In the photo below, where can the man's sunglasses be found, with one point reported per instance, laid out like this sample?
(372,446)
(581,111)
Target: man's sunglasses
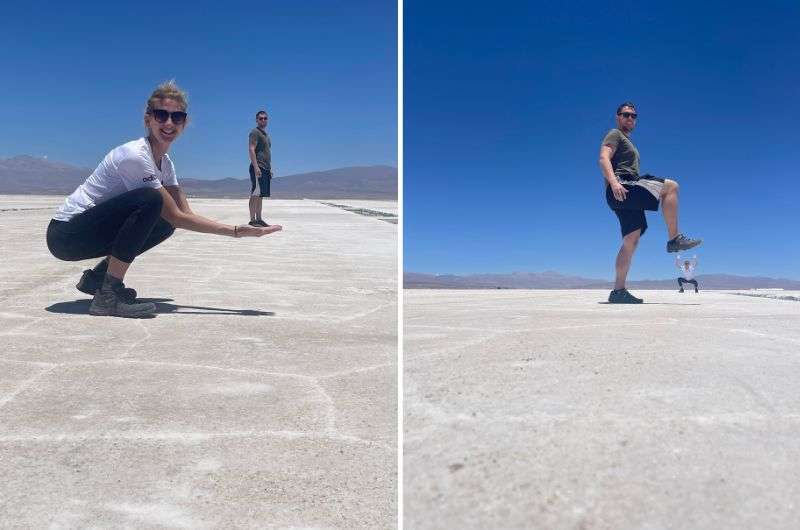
(161,116)
(629,115)
(262,117)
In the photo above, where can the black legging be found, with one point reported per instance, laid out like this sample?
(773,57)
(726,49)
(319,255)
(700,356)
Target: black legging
(123,227)
(683,280)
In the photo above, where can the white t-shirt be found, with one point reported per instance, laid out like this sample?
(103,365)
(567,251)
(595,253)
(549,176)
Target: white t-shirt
(686,273)
(125,168)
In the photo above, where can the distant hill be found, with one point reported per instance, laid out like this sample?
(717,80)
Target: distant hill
(555,280)
(360,182)
(25,174)
(30,175)
(514,280)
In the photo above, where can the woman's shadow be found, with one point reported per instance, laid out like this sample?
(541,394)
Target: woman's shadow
(81,307)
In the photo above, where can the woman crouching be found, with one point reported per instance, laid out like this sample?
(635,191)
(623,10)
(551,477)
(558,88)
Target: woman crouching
(128,205)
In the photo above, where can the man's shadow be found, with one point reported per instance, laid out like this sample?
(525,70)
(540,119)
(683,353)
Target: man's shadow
(81,307)
(653,303)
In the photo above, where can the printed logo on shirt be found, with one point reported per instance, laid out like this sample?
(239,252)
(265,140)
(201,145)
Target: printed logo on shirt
(150,178)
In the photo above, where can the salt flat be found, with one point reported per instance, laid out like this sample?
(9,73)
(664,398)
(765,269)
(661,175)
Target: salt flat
(554,410)
(262,395)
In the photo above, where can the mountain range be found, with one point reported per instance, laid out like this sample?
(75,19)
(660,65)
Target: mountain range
(555,280)
(30,175)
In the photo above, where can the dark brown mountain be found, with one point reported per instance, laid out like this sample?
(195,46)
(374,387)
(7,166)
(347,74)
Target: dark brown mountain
(360,182)
(25,174)
(29,175)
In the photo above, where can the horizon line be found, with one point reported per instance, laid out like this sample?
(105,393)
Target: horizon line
(669,278)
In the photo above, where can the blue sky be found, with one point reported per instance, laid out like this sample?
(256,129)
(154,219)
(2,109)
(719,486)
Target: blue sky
(506,104)
(75,77)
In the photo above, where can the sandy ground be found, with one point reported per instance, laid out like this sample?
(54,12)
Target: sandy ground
(554,410)
(262,395)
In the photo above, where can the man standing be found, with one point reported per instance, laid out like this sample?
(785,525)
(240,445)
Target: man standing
(260,146)
(628,194)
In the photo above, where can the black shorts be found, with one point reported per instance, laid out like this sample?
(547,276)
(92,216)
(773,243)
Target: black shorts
(259,187)
(630,212)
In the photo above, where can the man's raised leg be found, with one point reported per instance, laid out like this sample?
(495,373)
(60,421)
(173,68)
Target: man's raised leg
(669,207)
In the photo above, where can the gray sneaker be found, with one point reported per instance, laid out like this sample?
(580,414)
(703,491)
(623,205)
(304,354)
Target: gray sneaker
(681,242)
(622,296)
(108,301)
(91,281)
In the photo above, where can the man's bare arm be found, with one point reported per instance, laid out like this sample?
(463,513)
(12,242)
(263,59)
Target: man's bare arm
(253,160)
(606,153)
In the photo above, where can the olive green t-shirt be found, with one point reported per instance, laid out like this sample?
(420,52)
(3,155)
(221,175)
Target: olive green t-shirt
(626,157)
(263,147)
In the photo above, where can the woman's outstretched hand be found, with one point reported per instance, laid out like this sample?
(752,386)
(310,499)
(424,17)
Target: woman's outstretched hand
(256,231)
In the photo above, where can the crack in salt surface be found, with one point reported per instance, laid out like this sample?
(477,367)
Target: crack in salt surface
(321,401)
(15,330)
(330,408)
(147,336)
(32,363)
(457,347)
(330,413)
(722,418)
(161,514)
(316,317)
(497,333)
(536,419)
(742,331)
(521,329)
(189,437)
(757,334)
(24,386)
(199,366)
(759,396)
(365,313)
(355,371)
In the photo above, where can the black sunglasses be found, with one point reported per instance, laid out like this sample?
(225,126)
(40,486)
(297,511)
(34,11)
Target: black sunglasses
(161,116)
(262,117)
(629,115)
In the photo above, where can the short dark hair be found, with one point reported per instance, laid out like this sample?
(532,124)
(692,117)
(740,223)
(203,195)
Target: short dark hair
(626,104)
(260,112)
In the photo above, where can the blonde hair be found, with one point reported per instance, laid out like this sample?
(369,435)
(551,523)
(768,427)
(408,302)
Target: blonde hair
(168,90)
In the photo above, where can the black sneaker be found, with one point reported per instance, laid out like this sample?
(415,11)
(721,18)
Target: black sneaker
(681,242)
(681,290)
(91,281)
(622,296)
(254,223)
(108,301)
(261,222)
